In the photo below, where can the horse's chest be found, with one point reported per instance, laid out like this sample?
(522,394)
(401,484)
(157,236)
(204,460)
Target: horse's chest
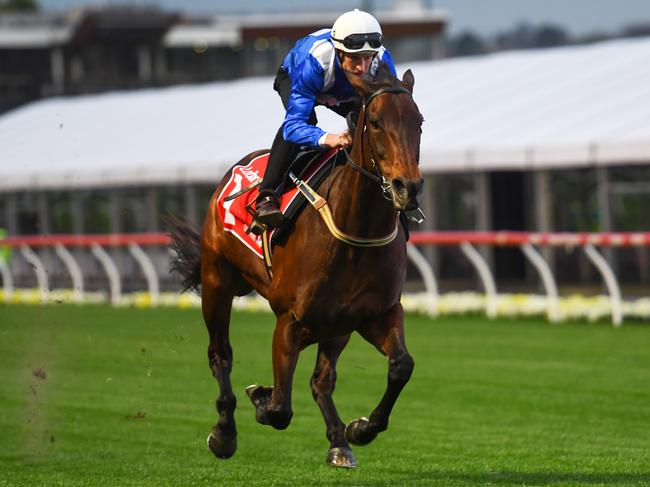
(349,295)
(334,290)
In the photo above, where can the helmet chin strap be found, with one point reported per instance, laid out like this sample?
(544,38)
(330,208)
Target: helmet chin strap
(339,54)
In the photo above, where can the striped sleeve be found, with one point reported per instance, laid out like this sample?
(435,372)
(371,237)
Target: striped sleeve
(307,82)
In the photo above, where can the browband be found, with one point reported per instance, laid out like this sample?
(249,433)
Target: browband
(381,91)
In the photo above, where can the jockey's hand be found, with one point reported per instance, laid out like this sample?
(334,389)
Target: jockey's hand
(338,140)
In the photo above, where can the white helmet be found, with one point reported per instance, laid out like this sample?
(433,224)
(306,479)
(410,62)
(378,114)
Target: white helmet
(357,31)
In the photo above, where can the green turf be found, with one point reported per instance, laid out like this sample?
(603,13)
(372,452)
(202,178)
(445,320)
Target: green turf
(99,396)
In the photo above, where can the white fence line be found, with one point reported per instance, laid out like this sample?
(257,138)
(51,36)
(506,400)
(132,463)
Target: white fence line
(485,275)
(428,277)
(148,269)
(36,263)
(74,270)
(111,271)
(431,302)
(536,259)
(610,281)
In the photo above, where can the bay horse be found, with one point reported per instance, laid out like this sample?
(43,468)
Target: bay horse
(322,289)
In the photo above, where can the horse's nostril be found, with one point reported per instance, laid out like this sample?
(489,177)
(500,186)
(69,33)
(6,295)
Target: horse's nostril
(399,185)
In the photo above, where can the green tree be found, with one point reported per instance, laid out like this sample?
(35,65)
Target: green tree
(18,5)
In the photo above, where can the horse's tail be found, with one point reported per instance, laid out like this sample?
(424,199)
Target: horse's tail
(187,260)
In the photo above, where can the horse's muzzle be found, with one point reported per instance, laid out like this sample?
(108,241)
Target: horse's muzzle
(406,193)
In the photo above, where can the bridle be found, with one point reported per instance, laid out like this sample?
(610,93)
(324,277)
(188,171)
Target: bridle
(377,177)
(320,204)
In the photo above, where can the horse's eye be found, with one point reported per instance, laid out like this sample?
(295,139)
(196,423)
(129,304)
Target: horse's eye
(373,123)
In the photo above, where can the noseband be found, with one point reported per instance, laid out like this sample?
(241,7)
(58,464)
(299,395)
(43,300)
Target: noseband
(377,177)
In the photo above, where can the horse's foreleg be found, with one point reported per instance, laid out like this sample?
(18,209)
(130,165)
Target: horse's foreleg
(387,335)
(216,300)
(273,405)
(322,384)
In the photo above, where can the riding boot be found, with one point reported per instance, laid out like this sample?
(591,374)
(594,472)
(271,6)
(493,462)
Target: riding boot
(267,206)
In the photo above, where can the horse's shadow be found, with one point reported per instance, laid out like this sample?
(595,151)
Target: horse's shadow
(438,477)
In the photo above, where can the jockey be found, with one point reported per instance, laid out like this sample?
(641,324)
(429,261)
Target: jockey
(314,73)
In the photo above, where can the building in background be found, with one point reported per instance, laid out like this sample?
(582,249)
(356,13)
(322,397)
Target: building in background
(542,140)
(103,49)
(539,140)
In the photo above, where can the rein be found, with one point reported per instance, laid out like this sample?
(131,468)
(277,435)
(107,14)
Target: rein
(320,204)
(377,177)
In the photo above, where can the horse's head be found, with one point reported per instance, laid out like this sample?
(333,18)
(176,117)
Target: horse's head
(388,134)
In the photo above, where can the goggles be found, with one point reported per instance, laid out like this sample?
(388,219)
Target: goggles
(357,41)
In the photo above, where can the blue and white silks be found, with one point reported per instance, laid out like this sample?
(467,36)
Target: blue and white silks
(317,78)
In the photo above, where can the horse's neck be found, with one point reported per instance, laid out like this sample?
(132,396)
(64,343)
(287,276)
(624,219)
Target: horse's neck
(357,202)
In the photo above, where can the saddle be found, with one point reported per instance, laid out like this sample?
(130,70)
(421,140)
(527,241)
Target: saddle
(236,200)
(300,166)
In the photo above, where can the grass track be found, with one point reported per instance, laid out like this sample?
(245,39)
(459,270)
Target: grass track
(100,396)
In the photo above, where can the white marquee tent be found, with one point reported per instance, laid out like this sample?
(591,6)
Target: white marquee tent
(572,106)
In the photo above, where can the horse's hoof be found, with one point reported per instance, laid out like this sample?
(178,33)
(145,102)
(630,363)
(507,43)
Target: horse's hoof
(259,396)
(258,393)
(222,446)
(341,457)
(251,389)
(358,432)
(279,419)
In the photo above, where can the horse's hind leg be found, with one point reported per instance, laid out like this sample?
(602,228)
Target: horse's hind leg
(322,384)
(216,297)
(387,335)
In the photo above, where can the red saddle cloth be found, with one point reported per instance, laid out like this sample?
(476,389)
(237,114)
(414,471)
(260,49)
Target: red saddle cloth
(235,217)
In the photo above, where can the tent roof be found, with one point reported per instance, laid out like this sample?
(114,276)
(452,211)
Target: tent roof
(570,106)
(564,107)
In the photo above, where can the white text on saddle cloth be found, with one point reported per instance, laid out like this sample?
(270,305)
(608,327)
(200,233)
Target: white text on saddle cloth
(229,218)
(251,174)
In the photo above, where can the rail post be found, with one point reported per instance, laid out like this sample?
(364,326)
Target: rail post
(111,271)
(148,270)
(36,263)
(485,275)
(74,270)
(548,280)
(610,281)
(430,284)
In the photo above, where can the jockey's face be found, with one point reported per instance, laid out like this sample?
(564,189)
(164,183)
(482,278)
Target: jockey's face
(358,64)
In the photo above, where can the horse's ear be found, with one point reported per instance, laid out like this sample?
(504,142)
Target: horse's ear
(408,80)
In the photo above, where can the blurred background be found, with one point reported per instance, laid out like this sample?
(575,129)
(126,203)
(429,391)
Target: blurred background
(537,119)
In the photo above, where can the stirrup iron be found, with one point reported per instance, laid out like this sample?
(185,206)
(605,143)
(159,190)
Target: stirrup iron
(256,227)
